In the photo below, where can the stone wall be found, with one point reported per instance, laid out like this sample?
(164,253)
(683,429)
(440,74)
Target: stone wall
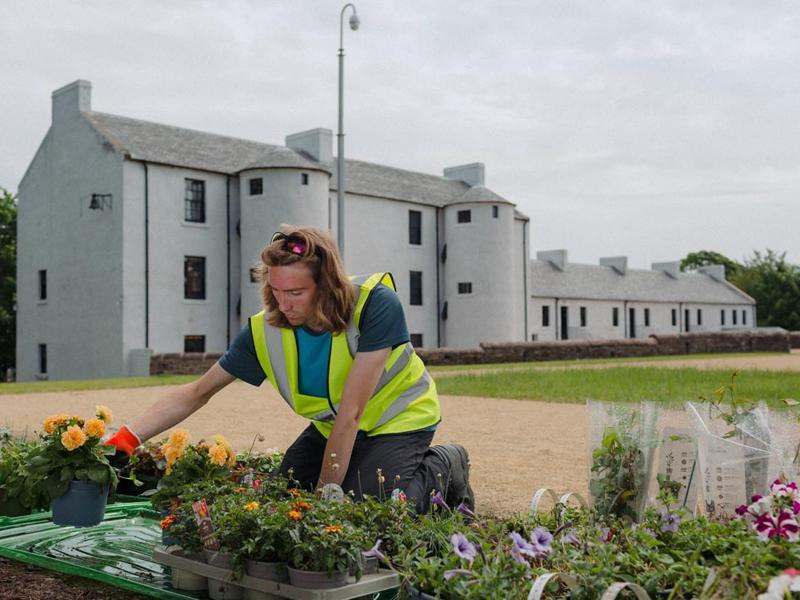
(763,340)
(754,340)
(794,339)
(191,363)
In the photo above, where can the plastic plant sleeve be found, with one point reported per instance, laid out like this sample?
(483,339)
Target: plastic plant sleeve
(737,460)
(675,458)
(622,440)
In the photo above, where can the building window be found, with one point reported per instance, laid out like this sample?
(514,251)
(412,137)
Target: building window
(416,340)
(254,275)
(744,317)
(256,186)
(545,316)
(647,317)
(304,178)
(415,227)
(43,359)
(464,287)
(733,314)
(615,316)
(722,317)
(415,287)
(195,201)
(465,216)
(583,316)
(194,343)
(495,211)
(194,277)
(43,284)
(699,317)
(674,317)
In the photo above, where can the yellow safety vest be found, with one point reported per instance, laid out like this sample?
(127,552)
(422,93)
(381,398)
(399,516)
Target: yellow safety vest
(405,397)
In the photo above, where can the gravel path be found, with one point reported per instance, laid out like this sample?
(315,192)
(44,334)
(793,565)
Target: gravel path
(516,446)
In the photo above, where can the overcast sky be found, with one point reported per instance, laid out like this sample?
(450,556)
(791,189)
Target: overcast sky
(646,129)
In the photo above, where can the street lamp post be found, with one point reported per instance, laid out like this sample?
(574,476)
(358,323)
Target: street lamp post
(354,23)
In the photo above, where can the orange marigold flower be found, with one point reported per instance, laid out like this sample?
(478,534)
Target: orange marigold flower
(95,428)
(251,505)
(167,521)
(73,438)
(301,505)
(333,529)
(294,492)
(103,413)
(293,514)
(217,455)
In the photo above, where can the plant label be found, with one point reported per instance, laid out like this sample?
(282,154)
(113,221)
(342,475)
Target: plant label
(204,525)
(678,462)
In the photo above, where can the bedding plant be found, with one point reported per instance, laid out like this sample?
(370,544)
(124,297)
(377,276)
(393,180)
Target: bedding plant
(19,492)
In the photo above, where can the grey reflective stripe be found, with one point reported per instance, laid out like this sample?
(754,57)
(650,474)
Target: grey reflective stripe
(352,334)
(325,415)
(400,364)
(405,399)
(274,340)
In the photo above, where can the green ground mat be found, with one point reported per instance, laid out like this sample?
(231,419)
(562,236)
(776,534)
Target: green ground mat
(117,552)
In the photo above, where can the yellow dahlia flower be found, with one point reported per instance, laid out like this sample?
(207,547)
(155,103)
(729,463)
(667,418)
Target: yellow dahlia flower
(179,439)
(95,428)
(73,438)
(220,439)
(217,454)
(103,413)
(52,422)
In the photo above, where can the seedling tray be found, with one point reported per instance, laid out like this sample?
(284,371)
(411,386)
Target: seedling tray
(369,585)
(117,552)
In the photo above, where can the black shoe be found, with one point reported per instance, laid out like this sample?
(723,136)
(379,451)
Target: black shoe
(458,487)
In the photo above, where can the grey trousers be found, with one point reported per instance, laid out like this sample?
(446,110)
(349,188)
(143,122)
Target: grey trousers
(404,459)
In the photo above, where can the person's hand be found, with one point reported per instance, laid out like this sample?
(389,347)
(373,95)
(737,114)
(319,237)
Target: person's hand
(125,441)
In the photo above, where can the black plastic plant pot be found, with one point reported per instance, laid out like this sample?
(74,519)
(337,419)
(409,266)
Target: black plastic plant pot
(83,504)
(12,507)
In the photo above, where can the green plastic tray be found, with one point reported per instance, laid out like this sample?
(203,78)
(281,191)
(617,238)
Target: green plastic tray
(117,552)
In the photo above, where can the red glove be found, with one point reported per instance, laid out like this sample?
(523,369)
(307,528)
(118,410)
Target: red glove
(124,440)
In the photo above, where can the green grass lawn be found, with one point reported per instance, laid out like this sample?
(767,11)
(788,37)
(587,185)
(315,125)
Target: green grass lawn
(622,384)
(93,384)
(597,361)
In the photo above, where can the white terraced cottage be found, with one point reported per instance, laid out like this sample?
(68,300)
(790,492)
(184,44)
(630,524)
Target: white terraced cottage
(136,237)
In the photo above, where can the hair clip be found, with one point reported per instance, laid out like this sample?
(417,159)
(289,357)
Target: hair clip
(296,247)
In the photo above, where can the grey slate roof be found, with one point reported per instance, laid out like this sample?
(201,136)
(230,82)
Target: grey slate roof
(593,282)
(143,140)
(154,142)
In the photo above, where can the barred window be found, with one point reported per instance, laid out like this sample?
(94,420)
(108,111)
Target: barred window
(194,277)
(674,317)
(722,317)
(545,316)
(464,287)
(583,316)
(744,317)
(415,288)
(43,359)
(615,316)
(256,186)
(416,340)
(195,201)
(647,317)
(464,216)
(414,227)
(43,284)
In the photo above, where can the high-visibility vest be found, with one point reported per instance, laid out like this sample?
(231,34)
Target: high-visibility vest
(404,399)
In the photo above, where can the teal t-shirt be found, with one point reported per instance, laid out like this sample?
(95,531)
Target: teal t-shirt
(383,325)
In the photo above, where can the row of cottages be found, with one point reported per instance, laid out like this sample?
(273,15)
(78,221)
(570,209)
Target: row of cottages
(137,237)
(610,301)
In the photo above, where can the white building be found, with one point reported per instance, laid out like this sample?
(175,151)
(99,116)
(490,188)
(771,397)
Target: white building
(609,300)
(136,237)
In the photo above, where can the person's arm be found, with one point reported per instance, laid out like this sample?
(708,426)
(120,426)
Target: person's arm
(172,409)
(361,381)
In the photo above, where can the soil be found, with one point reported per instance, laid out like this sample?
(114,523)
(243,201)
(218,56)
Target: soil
(515,446)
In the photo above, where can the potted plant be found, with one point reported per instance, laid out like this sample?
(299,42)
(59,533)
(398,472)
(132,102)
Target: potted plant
(143,471)
(324,547)
(19,494)
(73,463)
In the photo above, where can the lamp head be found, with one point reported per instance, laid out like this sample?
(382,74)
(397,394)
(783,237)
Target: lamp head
(354,21)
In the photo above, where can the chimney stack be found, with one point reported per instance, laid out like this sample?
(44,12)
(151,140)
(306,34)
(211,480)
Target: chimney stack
(557,258)
(314,143)
(618,263)
(71,100)
(670,268)
(471,174)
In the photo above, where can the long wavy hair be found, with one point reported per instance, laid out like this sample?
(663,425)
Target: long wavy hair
(314,248)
